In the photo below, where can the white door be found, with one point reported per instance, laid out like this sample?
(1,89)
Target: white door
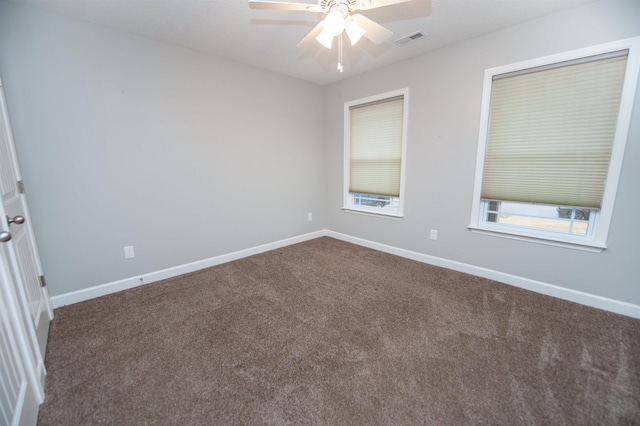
(21,250)
(20,392)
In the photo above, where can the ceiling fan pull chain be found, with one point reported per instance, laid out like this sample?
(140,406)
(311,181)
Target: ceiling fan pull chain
(340,68)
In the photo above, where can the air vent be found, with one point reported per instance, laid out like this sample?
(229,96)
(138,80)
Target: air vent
(411,37)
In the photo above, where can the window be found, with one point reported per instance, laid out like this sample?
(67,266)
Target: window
(552,138)
(375,139)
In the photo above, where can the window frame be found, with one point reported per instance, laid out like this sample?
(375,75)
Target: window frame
(348,204)
(597,241)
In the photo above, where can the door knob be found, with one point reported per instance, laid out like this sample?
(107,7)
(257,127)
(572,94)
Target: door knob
(5,236)
(18,220)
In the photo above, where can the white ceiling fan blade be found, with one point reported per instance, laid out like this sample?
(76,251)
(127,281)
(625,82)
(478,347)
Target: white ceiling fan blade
(312,35)
(372,4)
(284,5)
(374,31)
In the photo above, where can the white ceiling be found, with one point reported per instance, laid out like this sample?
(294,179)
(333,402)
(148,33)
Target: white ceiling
(267,38)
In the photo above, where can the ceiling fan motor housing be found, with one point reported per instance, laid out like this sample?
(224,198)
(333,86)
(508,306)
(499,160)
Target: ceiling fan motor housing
(347,5)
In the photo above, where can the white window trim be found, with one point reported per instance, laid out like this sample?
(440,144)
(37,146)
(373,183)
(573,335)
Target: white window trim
(599,240)
(347,205)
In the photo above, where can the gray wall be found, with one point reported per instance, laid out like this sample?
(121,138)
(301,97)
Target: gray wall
(444,113)
(126,141)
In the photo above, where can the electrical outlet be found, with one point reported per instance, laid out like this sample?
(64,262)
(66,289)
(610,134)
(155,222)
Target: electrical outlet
(434,234)
(128,252)
(309,217)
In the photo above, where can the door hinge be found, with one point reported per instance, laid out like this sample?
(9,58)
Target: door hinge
(20,185)
(43,283)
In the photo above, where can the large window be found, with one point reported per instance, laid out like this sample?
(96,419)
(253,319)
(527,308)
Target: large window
(551,144)
(375,134)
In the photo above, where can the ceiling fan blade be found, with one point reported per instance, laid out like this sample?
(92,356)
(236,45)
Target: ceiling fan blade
(375,32)
(373,4)
(284,5)
(312,35)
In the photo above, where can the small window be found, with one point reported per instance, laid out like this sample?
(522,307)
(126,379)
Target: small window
(550,150)
(375,134)
(568,221)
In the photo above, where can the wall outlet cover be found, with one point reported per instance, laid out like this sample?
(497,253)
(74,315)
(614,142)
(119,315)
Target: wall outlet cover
(128,252)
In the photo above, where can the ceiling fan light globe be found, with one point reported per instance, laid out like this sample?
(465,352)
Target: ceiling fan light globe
(325,38)
(334,22)
(354,31)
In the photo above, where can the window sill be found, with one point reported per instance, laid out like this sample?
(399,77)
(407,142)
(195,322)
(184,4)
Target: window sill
(589,246)
(373,213)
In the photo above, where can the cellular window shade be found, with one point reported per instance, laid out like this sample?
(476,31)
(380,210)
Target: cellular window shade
(551,133)
(375,148)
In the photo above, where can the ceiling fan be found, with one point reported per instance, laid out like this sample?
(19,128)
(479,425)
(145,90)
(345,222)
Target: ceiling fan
(340,18)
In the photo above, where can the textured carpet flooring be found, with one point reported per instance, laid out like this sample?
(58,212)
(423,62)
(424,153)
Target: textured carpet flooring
(326,332)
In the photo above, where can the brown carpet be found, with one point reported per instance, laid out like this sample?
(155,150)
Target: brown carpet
(326,332)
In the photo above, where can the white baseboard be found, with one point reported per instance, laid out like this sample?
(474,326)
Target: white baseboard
(138,280)
(583,298)
(580,297)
